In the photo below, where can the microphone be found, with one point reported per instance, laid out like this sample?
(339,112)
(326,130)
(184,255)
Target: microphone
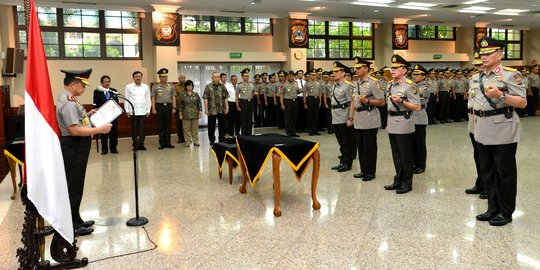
(100,88)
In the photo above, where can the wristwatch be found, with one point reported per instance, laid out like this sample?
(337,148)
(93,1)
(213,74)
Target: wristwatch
(502,97)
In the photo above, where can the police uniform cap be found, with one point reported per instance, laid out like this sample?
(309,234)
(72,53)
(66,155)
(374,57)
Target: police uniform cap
(299,71)
(339,66)
(489,45)
(432,71)
(446,70)
(264,74)
(361,62)
(325,73)
(281,73)
(81,75)
(459,71)
(477,58)
(314,72)
(163,72)
(419,69)
(273,75)
(319,71)
(245,71)
(399,61)
(257,76)
(291,72)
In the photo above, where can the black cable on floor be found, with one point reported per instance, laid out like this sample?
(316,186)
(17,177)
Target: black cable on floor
(131,253)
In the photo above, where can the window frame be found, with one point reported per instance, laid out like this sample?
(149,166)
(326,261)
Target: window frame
(327,37)
(514,42)
(437,38)
(213,27)
(101,30)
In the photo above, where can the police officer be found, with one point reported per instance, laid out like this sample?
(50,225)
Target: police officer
(532,97)
(301,118)
(312,102)
(383,80)
(327,93)
(460,84)
(433,85)
(245,91)
(280,113)
(164,106)
(497,129)
(445,90)
(479,186)
(257,101)
(420,119)
(270,101)
(402,101)
(289,94)
(367,96)
(262,121)
(74,124)
(341,119)
(215,97)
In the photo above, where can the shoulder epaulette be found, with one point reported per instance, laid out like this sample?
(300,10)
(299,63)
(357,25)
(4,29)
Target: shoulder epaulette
(373,78)
(71,98)
(510,69)
(409,81)
(347,82)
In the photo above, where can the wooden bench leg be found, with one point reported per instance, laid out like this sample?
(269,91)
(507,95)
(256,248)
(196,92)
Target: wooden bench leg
(230,165)
(276,162)
(244,173)
(316,157)
(13,172)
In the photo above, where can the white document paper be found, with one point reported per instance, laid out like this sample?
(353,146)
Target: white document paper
(106,113)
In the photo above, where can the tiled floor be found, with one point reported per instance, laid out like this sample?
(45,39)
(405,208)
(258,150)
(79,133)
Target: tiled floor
(201,222)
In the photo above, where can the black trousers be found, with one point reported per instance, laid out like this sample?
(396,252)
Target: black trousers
(532,101)
(220,118)
(479,182)
(290,114)
(383,111)
(138,134)
(164,115)
(457,107)
(246,116)
(258,113)
(280,114)
(431,107)
(444,106)
(366,141)
(75,151)
(345,138)
(328,111)
(270,113)
(499,171)
(110,140)
(402,154)
(312,114)
(301,117)
(233,120)
(179,127)
(420,151)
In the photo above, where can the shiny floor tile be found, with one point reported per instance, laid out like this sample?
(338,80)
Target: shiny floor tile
(200,221)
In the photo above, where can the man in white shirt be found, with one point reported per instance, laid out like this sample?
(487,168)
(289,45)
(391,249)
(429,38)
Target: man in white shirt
(139,94)
(302,116)
(233,117)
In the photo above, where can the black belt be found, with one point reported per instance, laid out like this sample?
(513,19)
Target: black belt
(292,99)
(245,99)
(364,108)
(313,97)
(423,106)
(507,111)
(165,104)
(406,114)
(340,106)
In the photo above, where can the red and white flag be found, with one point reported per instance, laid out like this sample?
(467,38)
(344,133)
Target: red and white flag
(45,174)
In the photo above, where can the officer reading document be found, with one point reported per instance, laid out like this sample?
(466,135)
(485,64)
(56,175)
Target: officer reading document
(74,124)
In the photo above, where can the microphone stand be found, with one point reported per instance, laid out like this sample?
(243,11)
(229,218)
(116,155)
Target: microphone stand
(137,220)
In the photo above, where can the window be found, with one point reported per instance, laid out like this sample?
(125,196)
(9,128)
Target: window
(258,25)
(513,40)
(432,32)
(85,33)
(228,25)
(340,40)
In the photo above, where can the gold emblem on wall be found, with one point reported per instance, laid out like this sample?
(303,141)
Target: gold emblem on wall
(166,29)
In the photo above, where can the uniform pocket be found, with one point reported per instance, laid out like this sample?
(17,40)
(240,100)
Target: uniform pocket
(501,119)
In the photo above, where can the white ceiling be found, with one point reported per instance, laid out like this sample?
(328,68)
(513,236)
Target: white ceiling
(348,9)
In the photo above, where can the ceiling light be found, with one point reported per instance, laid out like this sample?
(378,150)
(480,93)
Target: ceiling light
(472,11)
(506,13)
(413,7)
(478,8)
(474,2)
(418,4)
(375,10)
(370,4)
(376,1)
(511,10)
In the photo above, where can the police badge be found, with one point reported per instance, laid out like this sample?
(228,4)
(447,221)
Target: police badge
(166,29)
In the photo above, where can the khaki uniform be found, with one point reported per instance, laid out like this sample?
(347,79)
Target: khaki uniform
(313,94)
(445,85)
(246,93)
(164,95)
(290,93)
(402,124)
(271,109)
(341,98)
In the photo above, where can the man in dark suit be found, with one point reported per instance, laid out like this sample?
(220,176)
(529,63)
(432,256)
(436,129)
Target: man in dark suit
(103,94)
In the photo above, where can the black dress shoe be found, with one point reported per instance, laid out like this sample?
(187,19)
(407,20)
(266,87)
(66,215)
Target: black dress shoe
(337,167)
(403,190)
(311,134)
(393,186)
(82,231)
(344,168)
(295,135)
(474,190)
(483,195)
(368,177)
(418,171)
(487,216)
(114,151)
(142,147)
(359,175)
(500,220)
(104,153)
(88,223)
(169,146)
(316,133)
(161,147)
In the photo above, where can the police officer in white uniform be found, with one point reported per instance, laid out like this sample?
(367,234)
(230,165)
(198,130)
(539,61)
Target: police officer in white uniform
(495,92)
(341,98)
(420,119)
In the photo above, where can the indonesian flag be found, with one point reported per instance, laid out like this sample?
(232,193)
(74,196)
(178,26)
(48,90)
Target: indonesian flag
(45,174)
